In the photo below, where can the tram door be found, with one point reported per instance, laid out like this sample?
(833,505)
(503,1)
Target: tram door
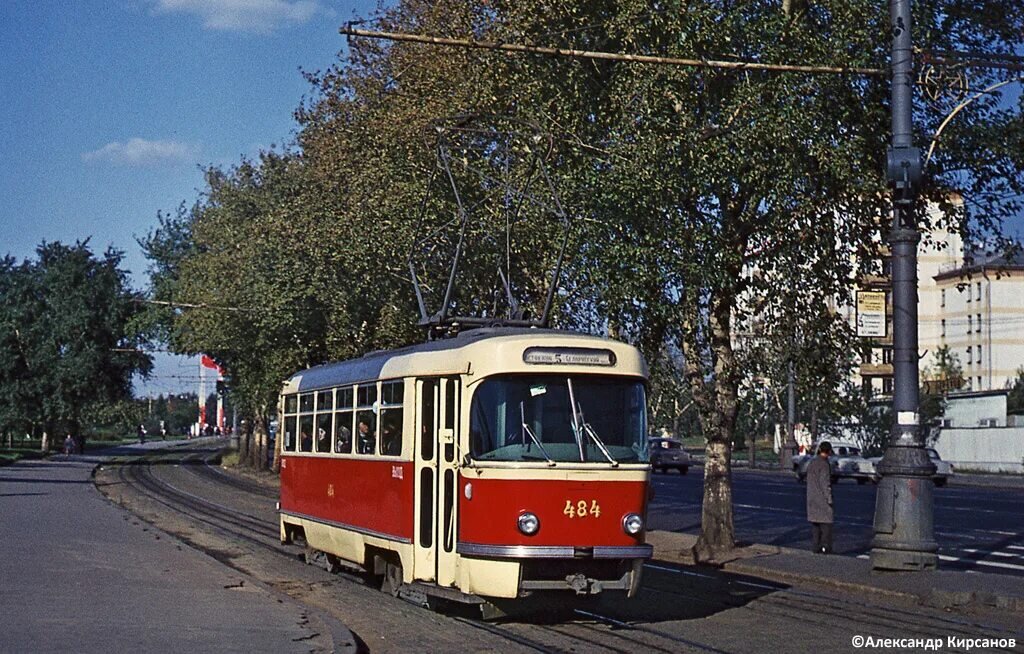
(437,401)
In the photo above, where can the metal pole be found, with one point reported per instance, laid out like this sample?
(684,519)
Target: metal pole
(789,447)
(904,533)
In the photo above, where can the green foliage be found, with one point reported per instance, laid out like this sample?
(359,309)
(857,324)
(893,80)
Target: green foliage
(716,215)
(1015,399)
(68,343)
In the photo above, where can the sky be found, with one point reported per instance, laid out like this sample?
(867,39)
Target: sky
(109,109)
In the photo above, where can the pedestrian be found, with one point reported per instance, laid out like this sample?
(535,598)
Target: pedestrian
(819,499)
(69,445)
(142,434)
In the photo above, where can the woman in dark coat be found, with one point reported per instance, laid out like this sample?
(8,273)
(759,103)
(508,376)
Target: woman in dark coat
(819,499)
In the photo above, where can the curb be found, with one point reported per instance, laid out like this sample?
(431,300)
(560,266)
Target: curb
(672,548)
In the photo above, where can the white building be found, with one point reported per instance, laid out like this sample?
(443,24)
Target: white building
(981,320)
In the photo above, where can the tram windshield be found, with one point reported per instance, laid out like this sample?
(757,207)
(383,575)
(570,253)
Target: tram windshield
(532,418)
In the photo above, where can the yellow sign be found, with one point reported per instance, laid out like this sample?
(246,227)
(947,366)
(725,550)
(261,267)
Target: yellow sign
(871,319)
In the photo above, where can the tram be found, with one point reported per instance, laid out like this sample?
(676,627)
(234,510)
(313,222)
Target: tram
(499,463)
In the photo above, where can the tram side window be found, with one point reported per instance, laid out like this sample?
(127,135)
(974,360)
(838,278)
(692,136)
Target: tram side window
(391,418)
(343,422)
(324,420)
(291,407)
(306,422)
(366,432)
(289,433)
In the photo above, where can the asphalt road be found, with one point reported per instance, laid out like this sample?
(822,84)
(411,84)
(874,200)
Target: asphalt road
(78,574)
(679,609)
(978,528)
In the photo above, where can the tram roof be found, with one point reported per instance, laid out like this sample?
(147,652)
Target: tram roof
(373,364)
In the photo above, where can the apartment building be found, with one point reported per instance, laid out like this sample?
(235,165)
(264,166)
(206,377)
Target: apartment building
(981,319)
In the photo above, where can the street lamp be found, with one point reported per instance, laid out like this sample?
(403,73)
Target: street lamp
(904,532)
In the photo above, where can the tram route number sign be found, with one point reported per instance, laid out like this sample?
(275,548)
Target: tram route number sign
(582,509)
(871,319)
(573,356)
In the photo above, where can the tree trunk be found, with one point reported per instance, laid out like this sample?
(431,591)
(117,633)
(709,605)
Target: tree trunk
(259,444)
(717,532)
(718,408)
(244,438)
(276,466)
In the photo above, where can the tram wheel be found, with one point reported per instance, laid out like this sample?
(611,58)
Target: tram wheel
(331,564)
(392,581)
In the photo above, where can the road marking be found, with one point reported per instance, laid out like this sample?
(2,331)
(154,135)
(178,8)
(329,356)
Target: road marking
(991,564)
(988,553)
(677,571)
(1015,547)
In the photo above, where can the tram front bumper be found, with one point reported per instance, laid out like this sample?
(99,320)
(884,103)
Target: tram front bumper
(582,584)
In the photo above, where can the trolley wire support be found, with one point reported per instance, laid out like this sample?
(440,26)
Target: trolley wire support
(479,163)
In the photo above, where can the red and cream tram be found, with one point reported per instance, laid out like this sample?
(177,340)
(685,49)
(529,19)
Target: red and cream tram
(493,464)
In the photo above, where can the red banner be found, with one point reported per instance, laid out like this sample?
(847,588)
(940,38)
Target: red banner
(207,362)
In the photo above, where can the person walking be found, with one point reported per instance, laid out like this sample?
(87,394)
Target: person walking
(819,499)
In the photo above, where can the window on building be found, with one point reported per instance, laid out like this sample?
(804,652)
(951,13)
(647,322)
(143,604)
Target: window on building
(979,292)
(970,354)
(943,328)
(978,357)
(979,388)
(887,385)
(970,324)
(977,326)
(943,299)
(968,289)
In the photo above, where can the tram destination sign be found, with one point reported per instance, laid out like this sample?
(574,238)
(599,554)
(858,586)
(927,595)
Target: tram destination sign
(572,356)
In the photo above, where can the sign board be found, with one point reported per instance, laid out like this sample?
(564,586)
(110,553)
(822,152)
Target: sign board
(571,356)
(871,322)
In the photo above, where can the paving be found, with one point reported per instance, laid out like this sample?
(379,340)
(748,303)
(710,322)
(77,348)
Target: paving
(79,574)
(945,589)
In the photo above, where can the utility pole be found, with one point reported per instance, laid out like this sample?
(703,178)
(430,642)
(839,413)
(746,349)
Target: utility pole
(904,532)
(789,447)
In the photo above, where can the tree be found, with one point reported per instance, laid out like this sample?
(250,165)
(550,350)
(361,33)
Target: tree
(1015,399)
(74,344)
(706,204)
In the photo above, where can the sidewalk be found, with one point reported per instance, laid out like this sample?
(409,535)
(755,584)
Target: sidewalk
(79,574)
(946,589)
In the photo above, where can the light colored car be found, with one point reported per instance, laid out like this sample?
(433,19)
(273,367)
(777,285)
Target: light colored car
(943,469)
(668,453)
(846,463)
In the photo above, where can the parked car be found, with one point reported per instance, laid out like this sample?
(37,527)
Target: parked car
(667,453)
(846,463)
(943,469)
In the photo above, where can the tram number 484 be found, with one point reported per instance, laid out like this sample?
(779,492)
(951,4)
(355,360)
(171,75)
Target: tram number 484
(581,509)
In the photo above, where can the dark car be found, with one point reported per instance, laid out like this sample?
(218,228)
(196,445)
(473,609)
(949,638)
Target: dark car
(667,453)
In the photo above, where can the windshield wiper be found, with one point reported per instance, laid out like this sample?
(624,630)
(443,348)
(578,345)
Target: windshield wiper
(576,430)
(589,431)
(580,426)
(533,437)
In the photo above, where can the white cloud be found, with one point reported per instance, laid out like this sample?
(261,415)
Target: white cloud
(140,152)
(244,15)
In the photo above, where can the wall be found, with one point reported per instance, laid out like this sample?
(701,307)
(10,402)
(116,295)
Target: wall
(969,411)
(992,449)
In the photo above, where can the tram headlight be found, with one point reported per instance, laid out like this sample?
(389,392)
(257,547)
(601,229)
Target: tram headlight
(632,523)
(528,524)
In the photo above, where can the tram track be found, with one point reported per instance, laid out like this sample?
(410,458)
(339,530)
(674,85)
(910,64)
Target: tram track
(589,630)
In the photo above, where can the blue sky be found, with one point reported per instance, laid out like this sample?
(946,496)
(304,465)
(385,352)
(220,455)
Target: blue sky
(110,108)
